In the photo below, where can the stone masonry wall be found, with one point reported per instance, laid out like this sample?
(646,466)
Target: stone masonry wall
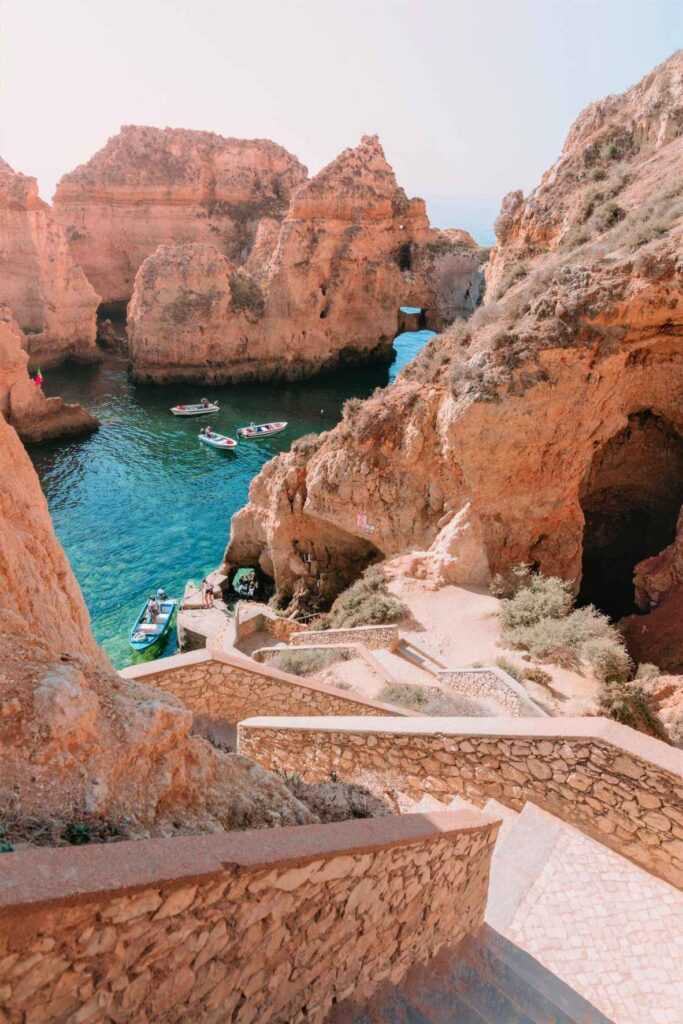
(620,787)
(225,687)
(240,928)
(373,637)
(492,684)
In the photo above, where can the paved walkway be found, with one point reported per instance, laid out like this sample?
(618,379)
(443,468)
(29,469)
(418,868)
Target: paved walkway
(608,929)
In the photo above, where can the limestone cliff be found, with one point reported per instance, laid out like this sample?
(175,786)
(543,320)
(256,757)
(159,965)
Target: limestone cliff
(24,406)
(150,186)
(77,739)
(550,425)
(45,289)
(609,146)
(320,289)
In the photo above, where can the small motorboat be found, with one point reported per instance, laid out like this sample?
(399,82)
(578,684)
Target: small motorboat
(200,409)
(255,430)
(217,440)
(151,627)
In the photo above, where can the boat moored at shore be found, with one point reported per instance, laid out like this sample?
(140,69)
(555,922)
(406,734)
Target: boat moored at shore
(153,623)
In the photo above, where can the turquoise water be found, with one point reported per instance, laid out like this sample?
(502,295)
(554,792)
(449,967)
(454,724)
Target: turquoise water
(142,504)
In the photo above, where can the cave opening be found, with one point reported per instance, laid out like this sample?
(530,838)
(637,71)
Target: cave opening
(404,257)
(630,498)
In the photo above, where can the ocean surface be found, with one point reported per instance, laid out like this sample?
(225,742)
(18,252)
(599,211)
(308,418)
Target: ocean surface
(142,504)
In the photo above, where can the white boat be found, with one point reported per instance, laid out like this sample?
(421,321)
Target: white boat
(255,430)
(195,410)
(217,440)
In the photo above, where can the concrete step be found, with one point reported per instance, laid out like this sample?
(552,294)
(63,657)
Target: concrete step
(489,965)
(397,669)
(524,845)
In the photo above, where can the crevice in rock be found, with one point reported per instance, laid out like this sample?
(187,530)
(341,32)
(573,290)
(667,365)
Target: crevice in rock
(630,499)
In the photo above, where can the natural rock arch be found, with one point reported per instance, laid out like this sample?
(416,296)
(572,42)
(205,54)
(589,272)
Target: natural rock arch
(630,499)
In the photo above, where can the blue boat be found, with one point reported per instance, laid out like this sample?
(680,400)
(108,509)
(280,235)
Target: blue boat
(150,629)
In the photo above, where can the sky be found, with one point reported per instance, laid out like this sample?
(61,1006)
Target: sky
(471,98)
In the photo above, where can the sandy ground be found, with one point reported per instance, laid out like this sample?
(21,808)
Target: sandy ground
(460,627)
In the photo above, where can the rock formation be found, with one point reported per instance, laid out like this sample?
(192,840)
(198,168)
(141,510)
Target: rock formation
(78,740)
(48,294)
(323,290)
(22,403)
(150,186)
(551,424)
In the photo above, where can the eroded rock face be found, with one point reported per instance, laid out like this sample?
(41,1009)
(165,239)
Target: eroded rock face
(320,289)
(40,281)
(581,192)
(24,406)
(528,426)
(150,186)
(76,738)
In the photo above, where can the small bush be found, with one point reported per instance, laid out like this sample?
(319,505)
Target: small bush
(336,801)
(367,602)
(512,670)
(628,703)
(350,407)
(305,663)
(544,597)
(539,619)
(246,294)
(609,659)
(647,672)
(538,675)
(426,699)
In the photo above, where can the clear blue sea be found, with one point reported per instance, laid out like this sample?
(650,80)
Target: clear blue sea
(142,504)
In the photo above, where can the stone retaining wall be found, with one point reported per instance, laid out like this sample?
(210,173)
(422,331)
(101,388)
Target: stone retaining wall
(617,785)
(269,926)
(373,637)
(230,687)
(491,684)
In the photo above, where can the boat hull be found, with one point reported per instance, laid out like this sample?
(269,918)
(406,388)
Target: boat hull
(261,430)
(194,410)
(140,640)
(222,443)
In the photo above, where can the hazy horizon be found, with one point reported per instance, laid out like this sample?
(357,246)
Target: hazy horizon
(470,100)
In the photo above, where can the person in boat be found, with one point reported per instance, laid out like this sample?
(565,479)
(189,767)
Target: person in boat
(161,595)
(152,609)
(205,403)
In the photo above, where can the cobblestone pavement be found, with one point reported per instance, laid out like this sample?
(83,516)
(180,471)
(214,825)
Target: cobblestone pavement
(608,929)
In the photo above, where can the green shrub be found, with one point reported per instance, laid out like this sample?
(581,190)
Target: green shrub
(539,619)
(305,663)
(246,294)
(543,597)
(538,675)
(426,699)
(609,659)
(367,602)
(647,671)
(512,670)
(628,703)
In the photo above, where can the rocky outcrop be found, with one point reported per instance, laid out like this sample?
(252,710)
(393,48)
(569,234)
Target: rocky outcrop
(549,426)
(656,636)
(22,403)
(45,289)
(581,194)
(78,740)
(150,186)
(321,289)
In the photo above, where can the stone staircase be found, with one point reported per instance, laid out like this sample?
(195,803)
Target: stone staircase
(574,934)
